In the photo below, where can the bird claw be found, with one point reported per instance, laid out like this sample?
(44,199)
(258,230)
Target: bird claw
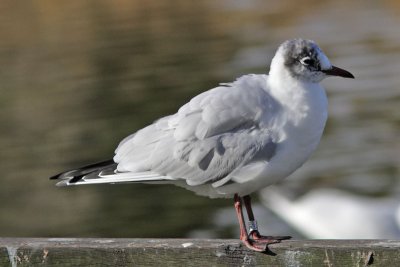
(255,236)
(254,245)
(257,242)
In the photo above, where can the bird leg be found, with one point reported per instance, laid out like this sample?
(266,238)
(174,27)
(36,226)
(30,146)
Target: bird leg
(253,239)
(244,237)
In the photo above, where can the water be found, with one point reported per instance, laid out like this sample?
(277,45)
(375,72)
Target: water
(78,77)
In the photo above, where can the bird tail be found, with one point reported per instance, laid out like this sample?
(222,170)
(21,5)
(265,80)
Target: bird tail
(105,172)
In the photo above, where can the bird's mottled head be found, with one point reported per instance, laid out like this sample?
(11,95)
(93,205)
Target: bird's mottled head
(305,60)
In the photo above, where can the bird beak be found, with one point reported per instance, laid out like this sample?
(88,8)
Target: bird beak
(335,71)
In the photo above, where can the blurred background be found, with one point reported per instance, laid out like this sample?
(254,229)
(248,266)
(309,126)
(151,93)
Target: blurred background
(78,76)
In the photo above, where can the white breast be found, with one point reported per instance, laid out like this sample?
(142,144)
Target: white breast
(300,123)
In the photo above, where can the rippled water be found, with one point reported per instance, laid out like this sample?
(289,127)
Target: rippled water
(78,77)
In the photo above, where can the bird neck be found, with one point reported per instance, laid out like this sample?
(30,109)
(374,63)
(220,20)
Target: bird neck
(296,94)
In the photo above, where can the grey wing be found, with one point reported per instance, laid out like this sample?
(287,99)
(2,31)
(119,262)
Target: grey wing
(209,138)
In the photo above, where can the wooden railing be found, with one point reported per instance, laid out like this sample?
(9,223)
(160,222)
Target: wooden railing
(194,252)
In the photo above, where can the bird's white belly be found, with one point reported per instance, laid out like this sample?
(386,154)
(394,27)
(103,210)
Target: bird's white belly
(293,152)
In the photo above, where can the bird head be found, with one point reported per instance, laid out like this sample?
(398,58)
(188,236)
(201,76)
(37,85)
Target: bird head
(304,60)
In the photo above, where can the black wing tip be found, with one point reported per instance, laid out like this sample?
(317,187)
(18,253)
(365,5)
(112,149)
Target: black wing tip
(75,178)
(55,177)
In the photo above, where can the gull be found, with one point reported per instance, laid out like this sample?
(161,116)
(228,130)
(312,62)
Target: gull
(232,140)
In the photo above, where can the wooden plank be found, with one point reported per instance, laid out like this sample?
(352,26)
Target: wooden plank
(194,252)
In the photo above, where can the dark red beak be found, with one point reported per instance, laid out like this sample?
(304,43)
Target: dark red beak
(335,71)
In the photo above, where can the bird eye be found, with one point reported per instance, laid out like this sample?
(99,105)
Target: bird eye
(307,61)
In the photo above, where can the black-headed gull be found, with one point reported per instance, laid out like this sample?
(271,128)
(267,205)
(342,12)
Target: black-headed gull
(233,139)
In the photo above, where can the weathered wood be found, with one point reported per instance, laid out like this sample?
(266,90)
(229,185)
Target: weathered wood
(194,252)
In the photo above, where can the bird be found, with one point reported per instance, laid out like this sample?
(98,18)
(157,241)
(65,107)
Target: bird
(232,140)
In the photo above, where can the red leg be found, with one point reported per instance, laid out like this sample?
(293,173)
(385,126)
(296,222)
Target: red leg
(254,234)
(243,232)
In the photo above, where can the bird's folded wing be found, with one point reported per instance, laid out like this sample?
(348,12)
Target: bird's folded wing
(217,132)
